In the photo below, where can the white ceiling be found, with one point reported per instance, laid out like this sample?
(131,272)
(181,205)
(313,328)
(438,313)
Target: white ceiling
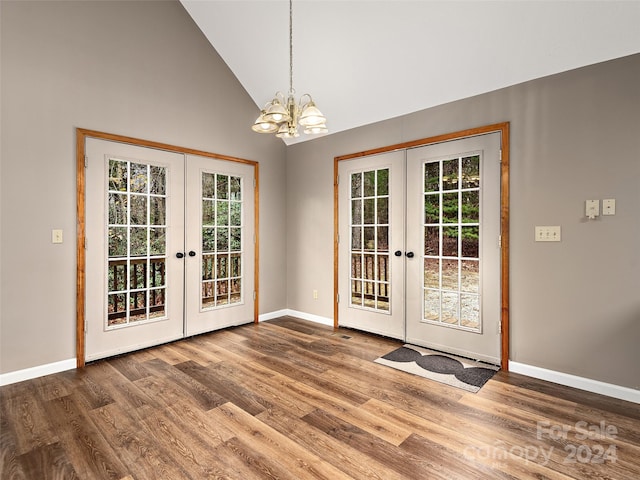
(366,61)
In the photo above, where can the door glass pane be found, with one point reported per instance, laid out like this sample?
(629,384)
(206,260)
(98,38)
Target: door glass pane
(470,276)
(117,241)
(222,239)
(118,209)
(383,210)
(451,242)
(158,184)
(432,272)
(138,210)
(136,233)
(157,241)
(449,274)
(470,311)
(471,172)
(208,212)
(138,245)
(470,206)
(139,174)
(157,209)
(370,272)
(432,240)
(470,241)
(432,208)
(356,238)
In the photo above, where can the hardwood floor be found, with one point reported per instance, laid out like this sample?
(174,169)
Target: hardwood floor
(291,399)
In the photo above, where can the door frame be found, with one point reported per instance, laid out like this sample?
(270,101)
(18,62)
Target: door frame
(503,129)
(81,136)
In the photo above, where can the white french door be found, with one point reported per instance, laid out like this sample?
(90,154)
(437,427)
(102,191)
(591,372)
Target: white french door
(371,233)
(439,261)
(453,226)
(155,270)
(220,241)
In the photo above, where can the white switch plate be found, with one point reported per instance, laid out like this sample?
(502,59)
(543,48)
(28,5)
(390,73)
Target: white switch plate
(548,233)
(56,236)
(609,206)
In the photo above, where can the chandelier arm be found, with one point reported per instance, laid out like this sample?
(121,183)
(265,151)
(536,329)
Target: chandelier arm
(302,103)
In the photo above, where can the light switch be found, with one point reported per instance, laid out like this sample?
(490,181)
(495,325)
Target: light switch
(56,236)
(548,234)
(609,206)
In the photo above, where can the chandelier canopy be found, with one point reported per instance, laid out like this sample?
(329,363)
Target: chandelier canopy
(283,115)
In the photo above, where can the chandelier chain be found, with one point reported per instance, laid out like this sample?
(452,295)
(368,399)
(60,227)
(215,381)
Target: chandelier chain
(291,46)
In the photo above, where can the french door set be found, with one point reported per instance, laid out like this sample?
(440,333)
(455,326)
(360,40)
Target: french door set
(169,244)
(420,244)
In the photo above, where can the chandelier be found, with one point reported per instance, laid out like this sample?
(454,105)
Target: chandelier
(283,115)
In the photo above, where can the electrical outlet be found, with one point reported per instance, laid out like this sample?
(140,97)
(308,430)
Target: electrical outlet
(548,234)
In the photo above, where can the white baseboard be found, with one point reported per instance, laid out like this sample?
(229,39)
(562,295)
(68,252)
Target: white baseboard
(297,314)
(271,315)
(595,386)
(35,372)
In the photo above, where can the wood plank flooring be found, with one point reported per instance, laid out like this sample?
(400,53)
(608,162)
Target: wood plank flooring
(289,399)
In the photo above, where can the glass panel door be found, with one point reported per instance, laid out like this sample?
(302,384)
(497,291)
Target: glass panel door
(134,282)
(220,236)
(453,220)
(371,227)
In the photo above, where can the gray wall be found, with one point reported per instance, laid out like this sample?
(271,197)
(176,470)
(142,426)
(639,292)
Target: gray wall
(575,305)
(141,69)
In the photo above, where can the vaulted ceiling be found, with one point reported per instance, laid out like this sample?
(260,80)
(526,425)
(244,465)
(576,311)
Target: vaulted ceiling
(367,61)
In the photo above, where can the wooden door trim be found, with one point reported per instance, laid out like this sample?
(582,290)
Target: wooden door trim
(81,137)
(503,129)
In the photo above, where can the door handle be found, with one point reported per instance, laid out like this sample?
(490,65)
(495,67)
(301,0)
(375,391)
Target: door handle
(179,255)
(398,253)
(409,254)
(192,253)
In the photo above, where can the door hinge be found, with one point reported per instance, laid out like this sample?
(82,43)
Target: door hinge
(500,155)
(86,161)
(338,298)
(338,238)
(499,241)
(254,294)
(337,179)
